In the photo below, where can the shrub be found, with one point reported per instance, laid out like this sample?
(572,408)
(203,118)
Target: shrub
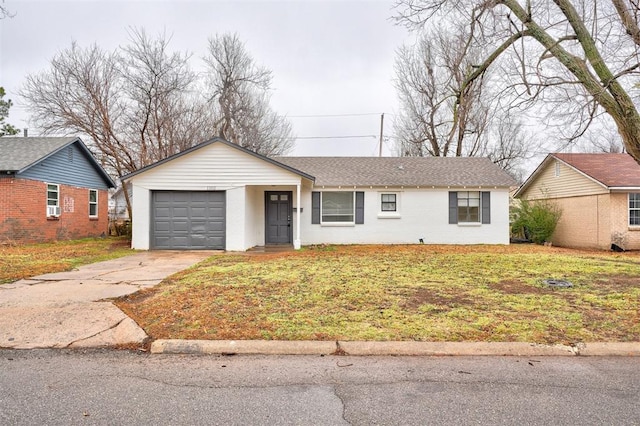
(535,220)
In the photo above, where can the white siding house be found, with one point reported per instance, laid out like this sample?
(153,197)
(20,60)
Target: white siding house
(218,195)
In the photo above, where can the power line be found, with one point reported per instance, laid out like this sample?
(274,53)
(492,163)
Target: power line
(337,137)
(333,115)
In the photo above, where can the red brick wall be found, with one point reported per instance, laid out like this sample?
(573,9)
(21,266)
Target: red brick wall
(23,213)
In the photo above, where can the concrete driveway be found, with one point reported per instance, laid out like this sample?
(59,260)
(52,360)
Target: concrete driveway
(67,309)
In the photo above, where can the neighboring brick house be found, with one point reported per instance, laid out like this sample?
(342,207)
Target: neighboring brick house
(599,195)
(51,188)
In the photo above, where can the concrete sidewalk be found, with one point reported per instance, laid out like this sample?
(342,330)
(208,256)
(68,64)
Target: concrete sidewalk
(66,309)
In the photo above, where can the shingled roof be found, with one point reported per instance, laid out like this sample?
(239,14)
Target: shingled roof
(611,170)
(17,154)
(401,171)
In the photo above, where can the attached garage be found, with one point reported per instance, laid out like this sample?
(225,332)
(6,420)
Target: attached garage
(188,220)
(212,197)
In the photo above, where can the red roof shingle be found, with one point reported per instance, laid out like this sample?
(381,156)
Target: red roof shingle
(612,170)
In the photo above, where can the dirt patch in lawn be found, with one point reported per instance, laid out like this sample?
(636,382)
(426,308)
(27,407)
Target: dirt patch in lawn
(617,282)
(517,287)
(418,292)
(422,296)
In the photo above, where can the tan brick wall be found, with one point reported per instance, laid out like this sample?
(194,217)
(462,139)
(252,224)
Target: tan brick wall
(624,235)
(585,222)
(23,213)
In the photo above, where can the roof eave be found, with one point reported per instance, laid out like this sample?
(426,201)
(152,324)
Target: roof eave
(533,176)
(624,188)
(210,142)
(412,185)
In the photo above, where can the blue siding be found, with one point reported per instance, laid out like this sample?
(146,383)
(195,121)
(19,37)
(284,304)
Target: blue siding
(69,166)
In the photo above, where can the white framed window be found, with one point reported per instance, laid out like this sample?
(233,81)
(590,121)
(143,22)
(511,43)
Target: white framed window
(634,209)
(93,203)
(53,200)
(338,207)
(557,169)
(389,203)
(468,206)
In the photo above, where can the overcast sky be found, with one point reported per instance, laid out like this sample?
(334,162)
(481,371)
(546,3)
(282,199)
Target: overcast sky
(327,57)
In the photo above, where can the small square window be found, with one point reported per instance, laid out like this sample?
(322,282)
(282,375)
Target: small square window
(388,203)
(284,197)
(273,197)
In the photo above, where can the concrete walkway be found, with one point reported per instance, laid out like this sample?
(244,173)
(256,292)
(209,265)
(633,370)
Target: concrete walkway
(67,309)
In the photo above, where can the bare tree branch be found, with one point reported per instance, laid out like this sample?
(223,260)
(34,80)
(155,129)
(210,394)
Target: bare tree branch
(238,96)
(595,42)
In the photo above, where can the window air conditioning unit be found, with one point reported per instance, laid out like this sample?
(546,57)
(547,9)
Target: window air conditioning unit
(53,211)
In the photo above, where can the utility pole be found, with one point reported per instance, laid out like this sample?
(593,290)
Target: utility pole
(381,132)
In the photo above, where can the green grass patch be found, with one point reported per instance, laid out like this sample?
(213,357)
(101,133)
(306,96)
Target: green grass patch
(420,293)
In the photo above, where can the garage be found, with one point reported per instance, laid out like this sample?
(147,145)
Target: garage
(188,220)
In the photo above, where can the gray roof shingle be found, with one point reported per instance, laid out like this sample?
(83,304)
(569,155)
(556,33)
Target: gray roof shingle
(401,171)
(17,154)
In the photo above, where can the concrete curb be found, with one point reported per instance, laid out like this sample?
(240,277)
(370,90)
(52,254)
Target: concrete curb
(275,347)
(263,347)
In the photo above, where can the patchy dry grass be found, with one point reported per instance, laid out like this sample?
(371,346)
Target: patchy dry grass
(423,293)
(24,261)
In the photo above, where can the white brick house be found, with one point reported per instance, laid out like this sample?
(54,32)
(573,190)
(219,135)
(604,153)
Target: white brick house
(218,195)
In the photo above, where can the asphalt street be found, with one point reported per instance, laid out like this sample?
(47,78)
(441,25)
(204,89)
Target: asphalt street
(78,387)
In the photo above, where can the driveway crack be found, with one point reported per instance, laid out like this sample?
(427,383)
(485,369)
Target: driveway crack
(96,334)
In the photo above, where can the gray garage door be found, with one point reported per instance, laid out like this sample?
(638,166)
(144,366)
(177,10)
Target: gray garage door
(192,220)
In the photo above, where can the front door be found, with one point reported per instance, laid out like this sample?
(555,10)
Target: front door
(278,214)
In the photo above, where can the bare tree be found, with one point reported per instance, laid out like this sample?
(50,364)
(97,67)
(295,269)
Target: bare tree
(133,104)
(5,13)
(434,120)
(443,115)
(238,95)
(164,117)
(580,58)
(509,145)
(81,92)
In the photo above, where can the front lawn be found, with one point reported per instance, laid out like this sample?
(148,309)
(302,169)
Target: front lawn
(28,260)
(417,292)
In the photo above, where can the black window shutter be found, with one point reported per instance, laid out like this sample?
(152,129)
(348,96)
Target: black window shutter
(453,207)
(486,207)
(359,208)
(315,207)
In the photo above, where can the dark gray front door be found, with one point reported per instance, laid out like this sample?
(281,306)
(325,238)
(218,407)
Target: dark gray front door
(278,217)
(188,220)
